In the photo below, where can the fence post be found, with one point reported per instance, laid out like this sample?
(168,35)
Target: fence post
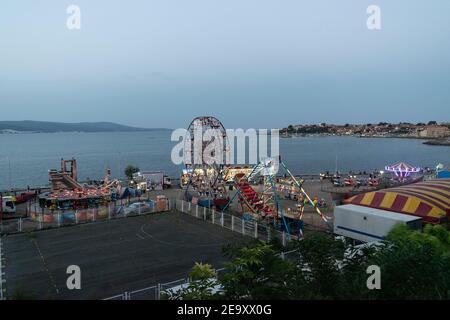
(182,206)
(196,211)
(19,227)
(109,212)
(213,215)
(256,230)
(282,256)
(59,218)
(1,272)
(243,226)
(189,206)
(158,292)
(232,223)
(76,216)
(204,213)
(221,219)
(283,239)
(268,233)
(41,220)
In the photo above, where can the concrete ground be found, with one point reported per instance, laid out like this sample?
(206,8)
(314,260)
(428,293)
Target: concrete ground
(114,256)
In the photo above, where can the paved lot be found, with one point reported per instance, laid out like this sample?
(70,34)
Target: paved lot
(114,256)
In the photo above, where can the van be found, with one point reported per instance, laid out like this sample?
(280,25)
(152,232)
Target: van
(8,205)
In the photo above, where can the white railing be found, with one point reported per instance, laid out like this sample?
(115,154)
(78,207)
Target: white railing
(60,218)
(154,292)
(236,224)
(250,228)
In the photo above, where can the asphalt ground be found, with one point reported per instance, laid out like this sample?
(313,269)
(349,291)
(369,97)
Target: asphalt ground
(114,256)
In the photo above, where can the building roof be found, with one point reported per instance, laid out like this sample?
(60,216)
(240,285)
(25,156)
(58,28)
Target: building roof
(429,200)
(379,213)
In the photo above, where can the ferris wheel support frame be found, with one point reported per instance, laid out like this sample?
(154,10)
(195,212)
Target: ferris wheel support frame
(210,182)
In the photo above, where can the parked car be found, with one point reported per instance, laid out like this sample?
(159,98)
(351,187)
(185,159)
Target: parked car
(325,175)
(24,197)
(8,205)
(137,207)
(167,183)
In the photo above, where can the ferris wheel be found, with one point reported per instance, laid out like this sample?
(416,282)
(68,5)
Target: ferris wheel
(206,153)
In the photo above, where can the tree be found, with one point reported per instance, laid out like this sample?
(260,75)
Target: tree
(256,272)
(432,123)
(130,170)
(415,264)
(202,285)
(290,128)
(329,268)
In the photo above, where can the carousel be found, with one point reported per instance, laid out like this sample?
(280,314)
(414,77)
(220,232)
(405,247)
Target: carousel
(402,171)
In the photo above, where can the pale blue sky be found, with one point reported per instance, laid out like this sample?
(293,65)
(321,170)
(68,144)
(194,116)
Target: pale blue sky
(251,63)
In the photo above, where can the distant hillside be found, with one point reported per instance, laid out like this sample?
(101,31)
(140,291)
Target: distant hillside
(43,126)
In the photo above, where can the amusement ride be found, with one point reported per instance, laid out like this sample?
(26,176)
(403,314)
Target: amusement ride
(258,189)
(205,164)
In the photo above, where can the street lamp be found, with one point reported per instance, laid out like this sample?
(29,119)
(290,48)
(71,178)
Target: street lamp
(9,168)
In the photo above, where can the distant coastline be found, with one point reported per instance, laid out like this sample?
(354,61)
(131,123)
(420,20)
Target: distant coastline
(427,141)
(433,132)
(27,126)
(438,142)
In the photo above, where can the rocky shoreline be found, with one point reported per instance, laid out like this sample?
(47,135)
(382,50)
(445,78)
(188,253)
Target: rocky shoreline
(438,142)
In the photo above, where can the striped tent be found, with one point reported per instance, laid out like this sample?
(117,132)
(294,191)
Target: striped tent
(429,200)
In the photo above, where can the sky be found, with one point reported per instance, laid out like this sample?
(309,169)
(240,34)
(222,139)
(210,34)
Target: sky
(250,63)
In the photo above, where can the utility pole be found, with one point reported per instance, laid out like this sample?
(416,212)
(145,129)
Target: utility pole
(9,169)
(1,209)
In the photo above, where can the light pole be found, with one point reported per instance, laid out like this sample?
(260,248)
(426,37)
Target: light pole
(118,164)
(1,208)
(9,173)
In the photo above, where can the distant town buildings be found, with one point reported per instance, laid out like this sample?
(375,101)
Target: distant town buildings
(435,132)
(432,130)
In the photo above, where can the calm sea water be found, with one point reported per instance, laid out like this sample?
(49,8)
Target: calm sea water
(26,158)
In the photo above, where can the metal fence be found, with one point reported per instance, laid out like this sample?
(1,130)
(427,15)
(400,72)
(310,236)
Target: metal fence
(163,290)
(2,280)
(47,219)
(246,227)
(158,291)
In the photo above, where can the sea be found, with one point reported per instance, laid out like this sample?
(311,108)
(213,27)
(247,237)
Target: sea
(26,158)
